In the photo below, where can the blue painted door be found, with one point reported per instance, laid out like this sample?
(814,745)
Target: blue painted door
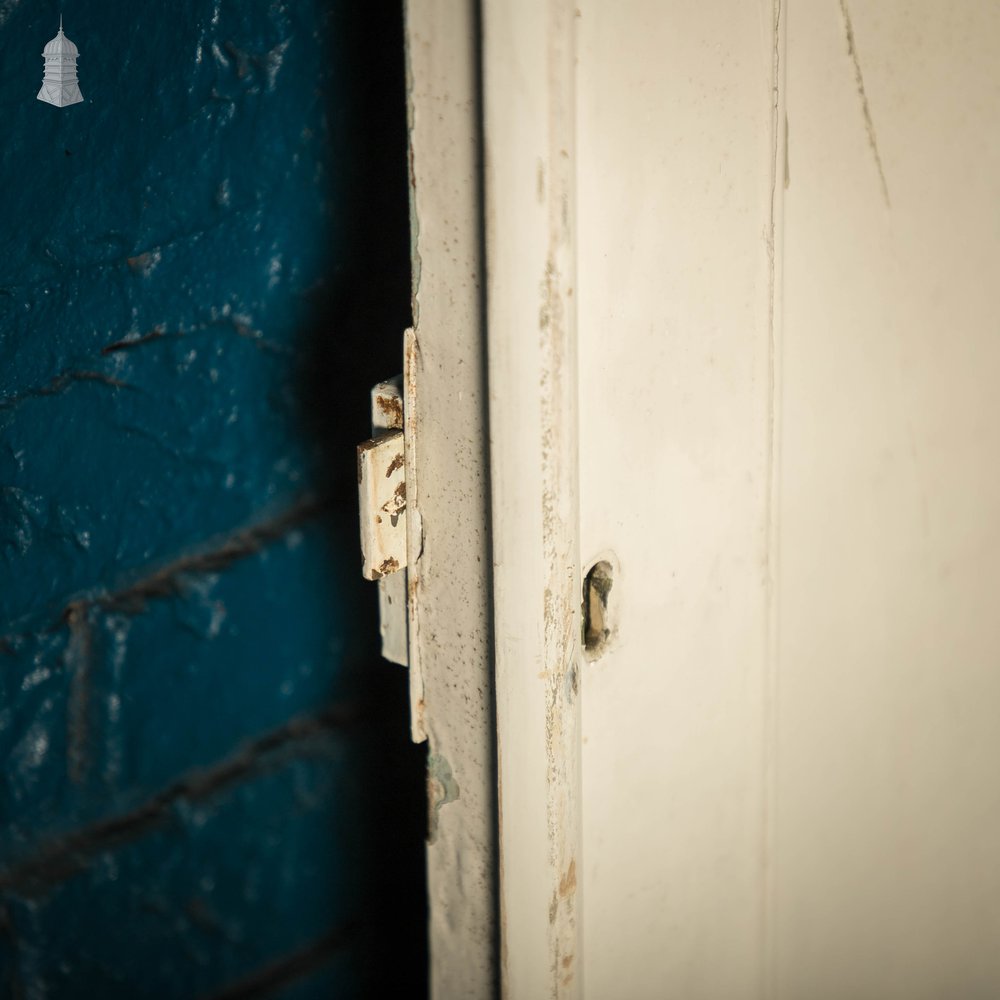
(207,787)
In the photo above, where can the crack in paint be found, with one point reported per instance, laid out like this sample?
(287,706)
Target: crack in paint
(290,968)
(79,663)
(61,383)
(63,857)
(239,327)
(114,262)
(852,51)
(168,581)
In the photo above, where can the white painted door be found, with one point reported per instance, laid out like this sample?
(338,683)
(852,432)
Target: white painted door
(744,336)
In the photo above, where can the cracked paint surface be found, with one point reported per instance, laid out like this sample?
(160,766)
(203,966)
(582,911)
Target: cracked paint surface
(179,312)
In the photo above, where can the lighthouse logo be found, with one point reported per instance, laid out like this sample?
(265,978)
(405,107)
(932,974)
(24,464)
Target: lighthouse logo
(59,85)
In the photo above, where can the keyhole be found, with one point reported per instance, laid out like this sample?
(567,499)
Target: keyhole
(596,619)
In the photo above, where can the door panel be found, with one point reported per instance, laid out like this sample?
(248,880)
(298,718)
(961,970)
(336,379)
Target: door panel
(786,232)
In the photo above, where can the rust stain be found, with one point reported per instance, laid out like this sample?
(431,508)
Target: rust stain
(560,597)
(79,660)
(396,463)
(392,408)
(567,884)
(396,504)
(389,565)
(144,263)
(363,449)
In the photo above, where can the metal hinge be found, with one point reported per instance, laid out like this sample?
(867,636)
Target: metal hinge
(382,502)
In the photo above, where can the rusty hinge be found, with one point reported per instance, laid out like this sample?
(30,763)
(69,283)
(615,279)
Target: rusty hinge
(382,501)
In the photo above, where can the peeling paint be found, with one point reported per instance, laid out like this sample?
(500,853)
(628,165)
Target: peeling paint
(442,788)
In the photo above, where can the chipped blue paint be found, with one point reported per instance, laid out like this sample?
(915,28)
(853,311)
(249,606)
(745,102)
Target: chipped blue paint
(199,277)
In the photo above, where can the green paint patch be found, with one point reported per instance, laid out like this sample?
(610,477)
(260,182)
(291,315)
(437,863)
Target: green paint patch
(442,788)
